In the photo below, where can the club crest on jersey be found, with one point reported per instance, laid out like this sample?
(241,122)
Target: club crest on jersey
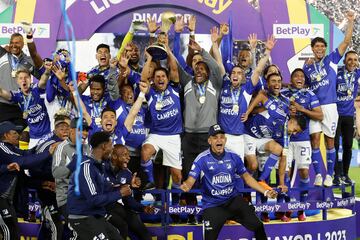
(123,180)
(272,107)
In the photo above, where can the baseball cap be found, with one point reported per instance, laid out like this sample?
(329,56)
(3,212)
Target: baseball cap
(215,129)
(8,126)
(73,124)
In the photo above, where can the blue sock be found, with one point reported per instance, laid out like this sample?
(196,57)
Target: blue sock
(147,167)
(269,165)
(331,157)
(175,197)
(316,159)
(304,183)
(283,197)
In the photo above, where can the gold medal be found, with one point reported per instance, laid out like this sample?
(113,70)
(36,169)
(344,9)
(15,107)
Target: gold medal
(98,121)
(158,106)
(349,92)
(292,99)
(318,77)
(25,115)
(13,73)
(235,108)
(202,99)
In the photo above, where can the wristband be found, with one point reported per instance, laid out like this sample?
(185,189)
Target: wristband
(152,34)
(141,95)
(266,192)
(74,93)
(192,33)
(29,40)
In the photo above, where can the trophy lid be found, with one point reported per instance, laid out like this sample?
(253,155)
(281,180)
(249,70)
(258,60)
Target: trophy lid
(157,51)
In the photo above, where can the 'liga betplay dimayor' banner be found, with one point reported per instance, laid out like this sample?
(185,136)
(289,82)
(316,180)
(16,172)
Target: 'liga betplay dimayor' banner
(293,22)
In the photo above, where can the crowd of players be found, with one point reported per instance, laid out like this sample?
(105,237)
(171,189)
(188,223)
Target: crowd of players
(218,122)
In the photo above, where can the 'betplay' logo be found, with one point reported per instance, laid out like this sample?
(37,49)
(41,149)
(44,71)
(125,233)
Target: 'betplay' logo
(298,30)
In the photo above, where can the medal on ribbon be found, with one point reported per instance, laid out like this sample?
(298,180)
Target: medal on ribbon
(201,91)
(158,104)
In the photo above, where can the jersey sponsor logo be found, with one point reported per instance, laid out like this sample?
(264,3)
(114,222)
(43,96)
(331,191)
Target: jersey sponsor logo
(322,83)
(226,100)
(167,114)
(222,192)
(122,180)
(228,111)
(221,179)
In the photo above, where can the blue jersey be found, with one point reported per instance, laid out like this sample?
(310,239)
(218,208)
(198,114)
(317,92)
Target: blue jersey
(347,84)
(269,123)
(138,132)
(117,177)
(34,107)
(321,77)
(103,72)
(95,108)
(165,111)
(217,176)
(117,136)
(232,104)
(308,100)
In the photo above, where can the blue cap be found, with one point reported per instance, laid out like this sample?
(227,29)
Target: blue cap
(8,126)
(215,129)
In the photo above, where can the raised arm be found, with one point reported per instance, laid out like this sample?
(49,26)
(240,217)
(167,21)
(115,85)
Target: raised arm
(215,49)
(173,67)
(270,43)
(146,73)
(152,28)
(35,56)
(80,104)
(260,98)
(129,121)
(253,43)
(348,34)
(127,39)
(45,77)
(113,86)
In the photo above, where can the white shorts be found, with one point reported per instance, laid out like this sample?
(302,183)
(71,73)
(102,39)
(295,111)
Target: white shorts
(171,147)
(252,144)
(235,143)
(301,153)
(329,124)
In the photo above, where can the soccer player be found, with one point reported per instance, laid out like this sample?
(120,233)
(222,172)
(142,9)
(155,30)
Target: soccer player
(166,126)
(235,97)
(269,126)
(346,89)
(217,168)
(125,215)
(103,68)
(87,209)
(303,102)
(31,102)
(12,60)
(320,75)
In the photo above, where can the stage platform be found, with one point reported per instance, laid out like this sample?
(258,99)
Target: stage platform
(340,225)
